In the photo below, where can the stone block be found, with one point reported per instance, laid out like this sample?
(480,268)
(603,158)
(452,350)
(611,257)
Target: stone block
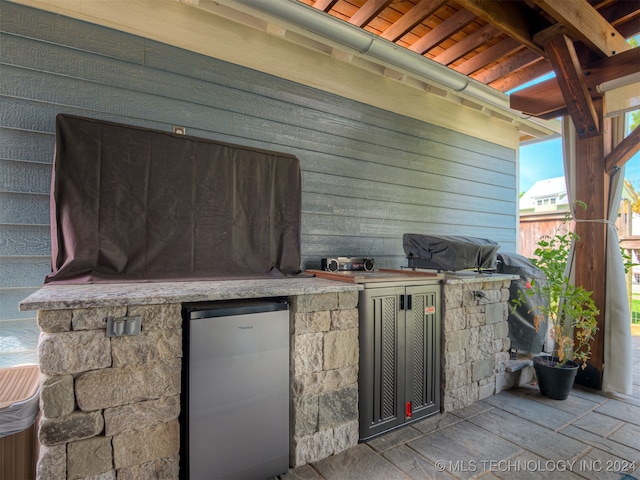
(167,468)
(304,417)
(454,319)
(455,358)
(311,322)
(157,317)
(500,361)
(473,354)
(54,321)
(456,376)
(456,341)
(113,387)
(316,383)
(141,414)
(501,330)
(340,349)
(95,318)
(460,397)
(160,441)
(495,313)
(52,462)
(338,407)
(482,369)
(486,390)
(348,300)
(311,448)
(315,303)
(149,346)
(73,352)
(452,294)
(344,319)
(506,295)
(75,426)
(86,458)
(492,296)
(345,436)
(306,353)
(56,396)
(475,319)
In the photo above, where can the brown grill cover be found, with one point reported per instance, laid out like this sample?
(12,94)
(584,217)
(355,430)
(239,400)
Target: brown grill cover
(134,204)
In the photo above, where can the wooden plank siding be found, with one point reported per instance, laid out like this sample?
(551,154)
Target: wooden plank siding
(369,175)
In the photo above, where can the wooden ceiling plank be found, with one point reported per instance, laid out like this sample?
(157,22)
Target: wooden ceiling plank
(546,98)
(448,27)
(586,24)
(324,5)
(501,49)
(629,28)
(513,18)
(564,60)
(508,66)
(508,80)
(623,151)
(368,12)
(412,18)
(619,12)
(464,46)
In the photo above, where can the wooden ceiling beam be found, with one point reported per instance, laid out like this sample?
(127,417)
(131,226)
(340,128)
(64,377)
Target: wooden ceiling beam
(324,5)
(447,28)
(368,12)
(468,43)
(545,99)
(513,18)
(586,24)
(501,49)
(413,17)
(539,68)
(623,151)
(520,62)
(564,60)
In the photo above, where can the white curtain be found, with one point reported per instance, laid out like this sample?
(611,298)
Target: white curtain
(617,373)
(618,364)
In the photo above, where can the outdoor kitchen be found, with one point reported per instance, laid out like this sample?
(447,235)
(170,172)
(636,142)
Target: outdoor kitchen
(114,355)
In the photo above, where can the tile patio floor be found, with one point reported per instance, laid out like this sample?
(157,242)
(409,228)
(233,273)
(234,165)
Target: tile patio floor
(517,434)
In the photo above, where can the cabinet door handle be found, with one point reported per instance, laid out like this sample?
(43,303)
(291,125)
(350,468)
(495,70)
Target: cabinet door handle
(401,302)
(409,302)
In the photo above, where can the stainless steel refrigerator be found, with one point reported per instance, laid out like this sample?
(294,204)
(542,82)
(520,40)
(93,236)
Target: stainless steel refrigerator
(237,389)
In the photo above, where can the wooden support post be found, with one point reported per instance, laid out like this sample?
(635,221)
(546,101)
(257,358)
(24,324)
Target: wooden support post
(592,187)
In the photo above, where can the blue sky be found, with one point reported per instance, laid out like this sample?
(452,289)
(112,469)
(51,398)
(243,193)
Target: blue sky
(543,160)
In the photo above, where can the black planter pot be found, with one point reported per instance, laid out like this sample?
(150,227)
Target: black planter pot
(554,382)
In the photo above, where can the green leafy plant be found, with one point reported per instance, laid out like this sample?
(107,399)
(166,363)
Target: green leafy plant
(569,309)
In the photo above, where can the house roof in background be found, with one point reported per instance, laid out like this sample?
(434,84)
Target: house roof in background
(550,187)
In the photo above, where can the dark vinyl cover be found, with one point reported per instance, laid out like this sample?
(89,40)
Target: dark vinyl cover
(522,330)
(135,204)
(450,253)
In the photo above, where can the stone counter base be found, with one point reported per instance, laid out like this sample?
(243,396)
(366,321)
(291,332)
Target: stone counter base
(475,342)
(110,406)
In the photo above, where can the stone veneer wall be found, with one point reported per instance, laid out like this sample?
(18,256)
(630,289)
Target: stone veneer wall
(324,375)
(110,406)
(475,341)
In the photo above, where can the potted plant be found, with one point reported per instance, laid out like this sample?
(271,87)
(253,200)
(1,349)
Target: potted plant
(568,310)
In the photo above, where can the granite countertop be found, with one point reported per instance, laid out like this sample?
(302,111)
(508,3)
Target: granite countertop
(475,277)
(59,297)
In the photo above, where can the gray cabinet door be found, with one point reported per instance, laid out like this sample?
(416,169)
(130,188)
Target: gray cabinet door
(399,378)
(381,380)
(422,352)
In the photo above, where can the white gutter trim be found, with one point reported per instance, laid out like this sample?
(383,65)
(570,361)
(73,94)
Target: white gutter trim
(367,43)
